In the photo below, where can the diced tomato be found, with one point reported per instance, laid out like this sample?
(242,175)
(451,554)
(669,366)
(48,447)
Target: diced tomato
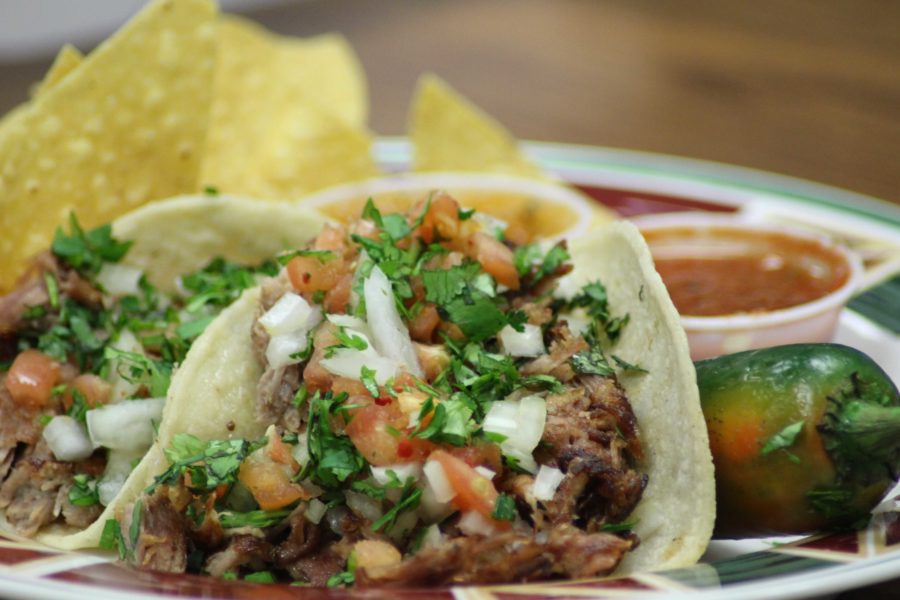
(315,375)
(280,452)
(495,258)
(310,274)
(441,220)
(332,238)
(270,483)
(337,299)
(31,379)
(354,388)
(423,324)
(378,434)
(96,390)
(473,490)
(480,454)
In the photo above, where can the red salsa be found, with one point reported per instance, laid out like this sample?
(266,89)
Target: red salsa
(723,271)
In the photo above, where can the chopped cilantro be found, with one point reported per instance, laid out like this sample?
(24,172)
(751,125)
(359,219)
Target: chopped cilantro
(210,190)
(52,290)
(261,577)
(333,457)
(618,527)
(300,396)
(209,464)
(79,408)
(230,576)
(87,251)
(367,377)
(220,282)
(343,578)
(627,366)
(83,491)
(465,214)
(323,255)
(594,299)
(191,329)
(504,508)
(591,362)
(409,500)
(137,368)
(346,339)
(134,531)
(254,518)
(112,539)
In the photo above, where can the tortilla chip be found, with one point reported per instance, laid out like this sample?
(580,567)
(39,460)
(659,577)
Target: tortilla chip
(126,127)
(449,133)
(67,60)
(289,114)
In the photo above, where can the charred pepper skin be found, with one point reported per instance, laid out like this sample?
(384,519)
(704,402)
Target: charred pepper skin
(804,437)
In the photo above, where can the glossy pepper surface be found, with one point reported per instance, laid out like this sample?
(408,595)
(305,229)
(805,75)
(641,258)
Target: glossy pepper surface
(804,437)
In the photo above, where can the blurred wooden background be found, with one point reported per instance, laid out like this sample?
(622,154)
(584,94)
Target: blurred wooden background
(809,88)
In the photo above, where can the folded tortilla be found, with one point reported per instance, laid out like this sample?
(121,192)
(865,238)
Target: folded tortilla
(216,384)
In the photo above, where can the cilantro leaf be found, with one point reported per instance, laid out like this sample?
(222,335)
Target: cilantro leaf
(86,251)
(333,457)
(83,491)
(504,508)
(591,362)
(253,518)
(627,366)
(112,539)
(409,500)
(346,339)
(137,368)
(367,377)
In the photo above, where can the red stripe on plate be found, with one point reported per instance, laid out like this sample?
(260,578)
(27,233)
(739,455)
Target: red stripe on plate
(630,203)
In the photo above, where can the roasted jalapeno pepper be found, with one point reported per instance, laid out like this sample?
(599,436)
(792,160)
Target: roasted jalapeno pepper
(804,437)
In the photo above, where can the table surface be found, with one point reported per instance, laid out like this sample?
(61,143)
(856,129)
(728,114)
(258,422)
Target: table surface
(804,88)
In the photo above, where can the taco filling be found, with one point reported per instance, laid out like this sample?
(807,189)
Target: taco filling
(88,347)
(439,412)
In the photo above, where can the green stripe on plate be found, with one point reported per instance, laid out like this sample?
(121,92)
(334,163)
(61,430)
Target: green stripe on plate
(880,304)
(744,569)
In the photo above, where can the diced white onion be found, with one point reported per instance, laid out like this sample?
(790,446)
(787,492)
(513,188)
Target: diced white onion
(546,482)
(578,320)
(403,525)
(282,346)
(350,322)
(433,537)
(532,418)
(473,523)
(524,460)
(67,439)
(300,451)
(347,362)
(119,279)
(403,471)
(389,334)
(529,342)
(521,422)
(289,314)
(432,510)
(121,387)
(438,482)
(364,505)
(127,425)
(485,472)
(119,464)
(315,511)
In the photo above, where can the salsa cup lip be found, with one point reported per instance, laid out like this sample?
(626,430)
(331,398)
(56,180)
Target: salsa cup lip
(548,190)
(834,300)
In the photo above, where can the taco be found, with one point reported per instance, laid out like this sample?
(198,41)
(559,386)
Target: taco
(91,340)
(430,404)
